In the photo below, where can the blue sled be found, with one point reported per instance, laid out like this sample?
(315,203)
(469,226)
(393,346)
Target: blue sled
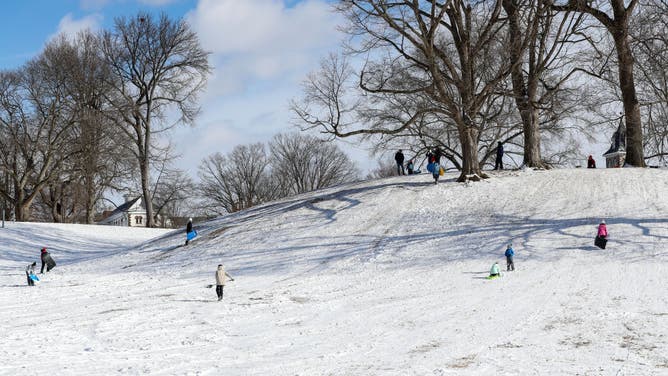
(191,235)
(34,277)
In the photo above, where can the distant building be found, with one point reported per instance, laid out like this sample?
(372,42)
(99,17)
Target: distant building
(131,214)
(616,155)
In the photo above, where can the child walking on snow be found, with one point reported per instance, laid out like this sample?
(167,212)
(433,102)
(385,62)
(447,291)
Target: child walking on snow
(221,276)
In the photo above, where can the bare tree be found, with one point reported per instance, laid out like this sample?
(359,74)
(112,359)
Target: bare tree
(98,154)
(157,66)
(172,191)
(651,49)
(303,163)
(616,16)
(234,182)
(36,120)
(437,57)
(538,39)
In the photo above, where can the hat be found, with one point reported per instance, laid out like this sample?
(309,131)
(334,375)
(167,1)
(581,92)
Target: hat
(190,219)
(510,245)
(44,249)
(603,221)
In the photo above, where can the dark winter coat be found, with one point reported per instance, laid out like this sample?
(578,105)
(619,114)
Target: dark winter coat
(48,261)
(399,157)
(189,227)
(437,155)
(499,150)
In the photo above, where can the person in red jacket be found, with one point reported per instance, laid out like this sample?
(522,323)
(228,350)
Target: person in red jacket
(591,163)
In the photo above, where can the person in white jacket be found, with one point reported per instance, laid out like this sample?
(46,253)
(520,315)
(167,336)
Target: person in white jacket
(221,277)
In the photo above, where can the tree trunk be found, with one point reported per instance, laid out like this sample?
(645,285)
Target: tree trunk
(471,166)
(90,202)
(146,192)
(634,143)
(523,91)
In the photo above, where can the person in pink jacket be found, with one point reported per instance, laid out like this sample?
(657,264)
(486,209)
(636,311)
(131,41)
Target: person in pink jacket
(602,230)
(601,235)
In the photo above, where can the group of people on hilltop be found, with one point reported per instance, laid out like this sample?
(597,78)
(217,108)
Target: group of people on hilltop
(495,271)
(47,261)
(434,166)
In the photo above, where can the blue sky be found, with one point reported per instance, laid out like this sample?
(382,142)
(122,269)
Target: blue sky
(37,20)
(261,51)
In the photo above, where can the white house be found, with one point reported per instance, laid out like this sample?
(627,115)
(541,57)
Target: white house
(132,213)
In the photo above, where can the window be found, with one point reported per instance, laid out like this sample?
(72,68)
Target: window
(138,220)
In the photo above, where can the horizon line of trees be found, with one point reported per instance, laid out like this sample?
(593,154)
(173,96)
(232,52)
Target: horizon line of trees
(89,114)
(86,114)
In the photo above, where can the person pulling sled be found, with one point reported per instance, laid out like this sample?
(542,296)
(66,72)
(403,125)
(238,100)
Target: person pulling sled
(602,235)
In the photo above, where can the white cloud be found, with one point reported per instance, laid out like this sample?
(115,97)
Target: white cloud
(251,26)
(262,39)
(70,26)
(261,51)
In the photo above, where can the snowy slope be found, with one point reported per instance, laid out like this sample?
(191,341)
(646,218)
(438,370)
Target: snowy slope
(382,277)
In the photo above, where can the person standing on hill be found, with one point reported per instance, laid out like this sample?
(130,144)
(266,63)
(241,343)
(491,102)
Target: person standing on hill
(510,252)
(47,261)
(591,163)
(189,229)
(221,277)
(399,158)
(498,165)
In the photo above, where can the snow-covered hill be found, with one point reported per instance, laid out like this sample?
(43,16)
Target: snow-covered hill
(382,277)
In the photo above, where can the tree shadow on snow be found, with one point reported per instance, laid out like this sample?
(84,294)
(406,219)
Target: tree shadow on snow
(532,239)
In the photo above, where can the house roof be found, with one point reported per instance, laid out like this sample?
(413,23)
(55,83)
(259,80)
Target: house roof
(124,208)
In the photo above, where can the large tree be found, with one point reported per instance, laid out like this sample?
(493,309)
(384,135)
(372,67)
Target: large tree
(651,49)
(36,120)
(437,59)
(158,68)
(538,39)
(616,17)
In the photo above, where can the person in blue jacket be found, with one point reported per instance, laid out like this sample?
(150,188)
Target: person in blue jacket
(509,258)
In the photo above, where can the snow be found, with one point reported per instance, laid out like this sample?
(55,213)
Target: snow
(382,277)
